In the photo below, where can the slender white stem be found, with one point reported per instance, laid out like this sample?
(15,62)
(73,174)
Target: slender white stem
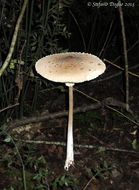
(70,155)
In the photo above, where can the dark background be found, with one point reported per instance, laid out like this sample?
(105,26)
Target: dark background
(51,27)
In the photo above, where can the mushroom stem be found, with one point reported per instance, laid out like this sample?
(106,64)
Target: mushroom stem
(70,155)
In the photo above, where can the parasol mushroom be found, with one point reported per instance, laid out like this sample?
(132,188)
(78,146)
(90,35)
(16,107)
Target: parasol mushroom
(70,68)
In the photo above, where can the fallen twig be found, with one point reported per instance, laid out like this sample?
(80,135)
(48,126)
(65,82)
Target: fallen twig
(104,148)
(108,102)
(47,116)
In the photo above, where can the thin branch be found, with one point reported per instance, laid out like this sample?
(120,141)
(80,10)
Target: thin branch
(111,76)
(125,57)
(106,41)
(88,183)
(105,103)
(117,58)
(78,26)
(14,38)
(131,73)
(19,77)
(9,107)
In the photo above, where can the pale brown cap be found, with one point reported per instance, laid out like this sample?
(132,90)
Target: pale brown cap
(70,67)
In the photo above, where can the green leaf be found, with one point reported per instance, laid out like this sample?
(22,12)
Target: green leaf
(105,164)
(61,88)
(21,62)
(8,139)
(12,65)
(134,144)
(101,149)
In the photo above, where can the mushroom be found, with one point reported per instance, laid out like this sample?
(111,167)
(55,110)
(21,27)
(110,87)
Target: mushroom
(70,68)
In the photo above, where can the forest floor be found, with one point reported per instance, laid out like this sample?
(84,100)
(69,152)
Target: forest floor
(111,164)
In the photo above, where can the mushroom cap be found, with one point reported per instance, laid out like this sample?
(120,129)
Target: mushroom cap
(70,67)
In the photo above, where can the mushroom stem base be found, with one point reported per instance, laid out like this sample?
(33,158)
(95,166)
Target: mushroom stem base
(68,163)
